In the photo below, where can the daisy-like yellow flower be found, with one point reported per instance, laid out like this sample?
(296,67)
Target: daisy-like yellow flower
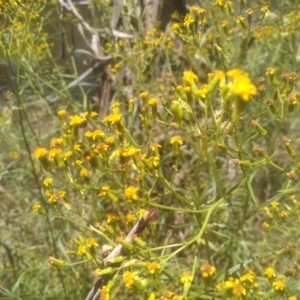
(141,212)
(248,277)
(265,225)
(189,77)
(84,173)
(52,198)
(188,20)
(130,218)
(128,279)
(175,27)
(110,140)
(154,267)
(112,119)
(238,289)
(93,114)
(36,208)
(207,270)
(130,193)
(91,242)
(279,285)
(47,181)
(76,120)
(186,277)
(56,142)
(40,153)
(155,146)
(270,272)
(104,293)
(53,153)
(177,139)
(241,84)
(103,191)
(143,95)
(81,250)
(111,217)
(61,194)
(152,101)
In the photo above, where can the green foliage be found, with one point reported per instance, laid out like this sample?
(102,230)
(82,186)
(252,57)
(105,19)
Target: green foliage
(196,144)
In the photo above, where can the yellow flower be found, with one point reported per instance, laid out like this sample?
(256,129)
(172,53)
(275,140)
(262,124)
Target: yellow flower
(40,153)
(103,191)
(167,295)
(62,113)
(186,277)
(275,204)
(84,173)
(94,114)
(112,119)
(81,250)
(154,160)
(207,270)
(130,193)
(283,214)
(36,208)
(176,140)
(67,154)
(202,92)
(53,153)
(104,293)
(265,9)
(47,181)
(52,198)
(76,120)
(152,101)
(270,71)
(239,19)
(91,242)
(56,142)
(154,267)
(95,134)
(111,217)
(237,289)
(241,84)
(110,140)
(62,194)
(128,279)
(292,298)
(175,27)
(155,146)
(130,218)
(177,297)
(279,285)
(266,225)
(143,95)
(189,77)
(248,277)
(141,212)
(115,107)
(270,272)
(188,20)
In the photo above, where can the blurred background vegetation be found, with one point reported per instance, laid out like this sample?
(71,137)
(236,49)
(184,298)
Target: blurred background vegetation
(83,55)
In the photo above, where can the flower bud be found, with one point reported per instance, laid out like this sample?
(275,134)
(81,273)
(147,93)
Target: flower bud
(58,263)
(286,142)
(259,128)
(177,110)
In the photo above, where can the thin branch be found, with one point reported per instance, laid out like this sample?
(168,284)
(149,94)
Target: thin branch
(119,250)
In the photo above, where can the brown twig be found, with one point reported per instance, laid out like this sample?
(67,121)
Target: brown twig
(119,250)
